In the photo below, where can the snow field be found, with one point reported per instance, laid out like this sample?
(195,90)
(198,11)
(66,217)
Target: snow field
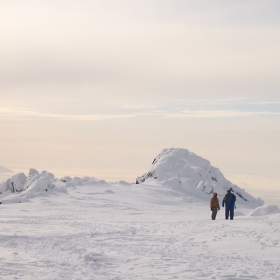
(123,231)
(160,228)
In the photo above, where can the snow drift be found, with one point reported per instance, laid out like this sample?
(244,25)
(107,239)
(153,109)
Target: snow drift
(186,172)
(77,181)
(265,210)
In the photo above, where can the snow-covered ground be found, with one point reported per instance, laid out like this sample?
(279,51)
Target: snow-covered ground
(121,231)
(85,228)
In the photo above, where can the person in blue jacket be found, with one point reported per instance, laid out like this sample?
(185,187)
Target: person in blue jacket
(229,201)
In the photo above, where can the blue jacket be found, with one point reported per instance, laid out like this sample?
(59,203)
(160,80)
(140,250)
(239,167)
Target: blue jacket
(229,200)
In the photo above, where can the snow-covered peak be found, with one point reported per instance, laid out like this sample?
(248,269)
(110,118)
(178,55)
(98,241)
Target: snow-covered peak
(186,172)
(5,170)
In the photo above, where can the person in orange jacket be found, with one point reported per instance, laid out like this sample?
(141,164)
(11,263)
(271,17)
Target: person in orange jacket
(214,205)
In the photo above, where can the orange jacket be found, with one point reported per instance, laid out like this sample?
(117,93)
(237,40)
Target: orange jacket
(214,202)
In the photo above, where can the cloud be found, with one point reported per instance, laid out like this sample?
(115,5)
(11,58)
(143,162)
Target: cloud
(8,113)
(25,114)
(141,106)
(136,51)
(268,102)
(218,114)
(212,101)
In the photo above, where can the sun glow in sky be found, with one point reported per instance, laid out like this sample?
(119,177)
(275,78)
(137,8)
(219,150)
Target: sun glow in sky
(98,88)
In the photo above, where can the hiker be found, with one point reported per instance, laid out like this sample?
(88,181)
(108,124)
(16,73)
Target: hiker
(214,205)
(229,201)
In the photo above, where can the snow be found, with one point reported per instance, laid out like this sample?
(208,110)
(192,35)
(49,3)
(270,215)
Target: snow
(33,171)
(144,233)
(5,186)
(18,181)
(86,228)
(184,171)
(5,170)
(20,188)
(265,210)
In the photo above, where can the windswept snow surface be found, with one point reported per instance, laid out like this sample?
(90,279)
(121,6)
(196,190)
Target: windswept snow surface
(99,230)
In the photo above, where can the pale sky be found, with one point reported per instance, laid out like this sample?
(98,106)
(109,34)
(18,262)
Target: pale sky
(99,88)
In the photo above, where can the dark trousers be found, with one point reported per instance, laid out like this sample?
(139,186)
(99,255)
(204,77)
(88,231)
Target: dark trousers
(229,212)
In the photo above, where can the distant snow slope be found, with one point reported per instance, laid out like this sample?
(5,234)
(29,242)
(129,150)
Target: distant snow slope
(4,169)
(188,173)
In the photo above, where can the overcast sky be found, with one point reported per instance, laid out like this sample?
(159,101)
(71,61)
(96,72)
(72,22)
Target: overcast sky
(98,88)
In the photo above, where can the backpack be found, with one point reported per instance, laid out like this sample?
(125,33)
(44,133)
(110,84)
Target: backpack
(230,199)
